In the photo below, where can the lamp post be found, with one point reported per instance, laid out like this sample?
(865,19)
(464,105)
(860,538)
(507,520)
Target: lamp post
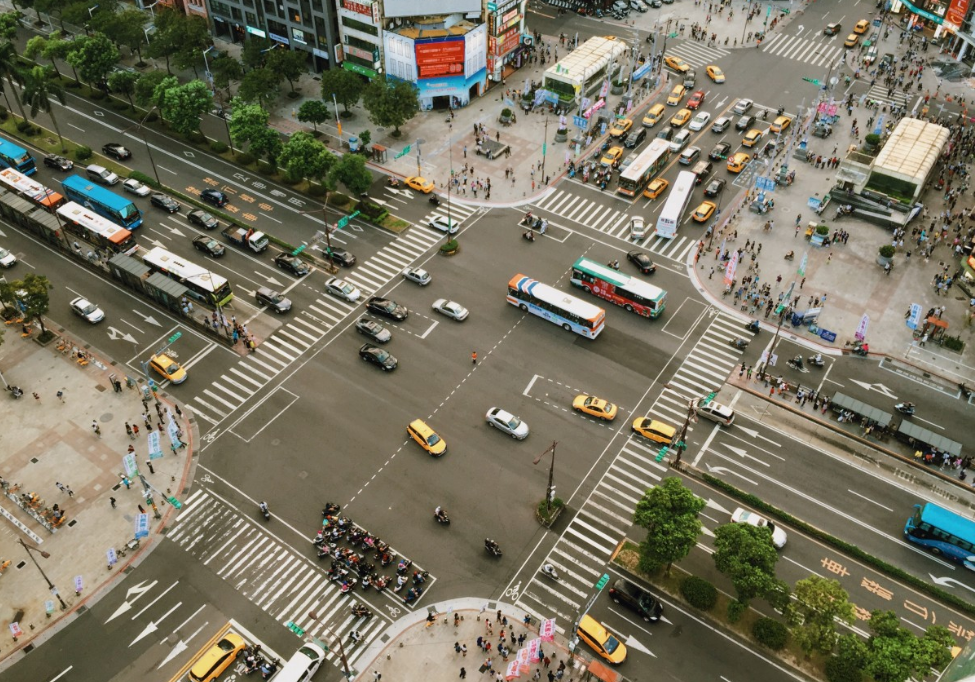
(338,641)
(691,416)
(550,491)
(151,10)
(544,149)
(206,65)
(142,130)
(50,585)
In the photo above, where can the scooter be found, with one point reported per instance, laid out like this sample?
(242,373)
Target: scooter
(965,391)
(392,182)
(361,611)
(796,363)
(492,547)
(528,236)
(905,408)
(435,200)
(862,351)
(16,391)
(265,511)
(790,256)
(753,326)
(739,343)
(331,509)
(442,518)
(549,571)
(816,360)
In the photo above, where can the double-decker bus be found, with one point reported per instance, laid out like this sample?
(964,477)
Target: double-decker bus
(631,293)
(18,158)
(639,173)
(29,189)
(942,532)
(673,211)
(116,208)
(202,284)
(571,313)
(96,230)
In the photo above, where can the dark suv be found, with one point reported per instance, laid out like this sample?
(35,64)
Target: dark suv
(636,598)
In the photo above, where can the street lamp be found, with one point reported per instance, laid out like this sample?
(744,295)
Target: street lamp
(206,63)
(91,9)
(691,416)
(338,641)
(151,10)
(550,492)
(50,585)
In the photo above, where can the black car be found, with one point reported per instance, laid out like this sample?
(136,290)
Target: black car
(340,257)
(214,197)
(116,151)
(373,330)
(745,122)
(379,357)
(642,261)
(58,162)
(203,219)
(387,308)
(635,138)
(666,134)
(167,204)
(292,264)
(714,188)
(720,152)
(635,597)
(273,300)
(209,246)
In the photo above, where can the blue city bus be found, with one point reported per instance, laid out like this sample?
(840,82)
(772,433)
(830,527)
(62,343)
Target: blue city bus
(116,208)
(12,156)
(942,532)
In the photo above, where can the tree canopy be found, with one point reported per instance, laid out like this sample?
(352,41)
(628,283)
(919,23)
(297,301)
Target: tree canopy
(345,85)
(94,58)
(746,555)
(288,63)
(313,111)
(894,654)
(669,513)
(305,157)
(184,104)
(817,606)
(390,104)
(248,126)
(352,172)
(259,85)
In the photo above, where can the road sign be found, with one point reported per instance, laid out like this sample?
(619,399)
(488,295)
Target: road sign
(294,628)
(172,339)
(662,453)
(672,35)
(580,122)
(601,583)
(406,150)
(492,7)
(814,81)
(344,220)
(298,250)
(176,503)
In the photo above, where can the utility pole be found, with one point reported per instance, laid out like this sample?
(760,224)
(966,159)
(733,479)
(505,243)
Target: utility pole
(30,553)
(550,492)
(544,146)
(337,643)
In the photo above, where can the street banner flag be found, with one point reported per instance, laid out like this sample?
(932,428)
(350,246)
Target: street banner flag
(547,630)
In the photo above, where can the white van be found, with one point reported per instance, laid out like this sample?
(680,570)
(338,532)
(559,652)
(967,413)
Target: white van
(302,665)
(638,228)
(716,412)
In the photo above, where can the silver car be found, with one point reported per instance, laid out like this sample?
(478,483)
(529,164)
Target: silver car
(444,225)
(135,187)
(451,309)
(507,423)
(7,259)
(340,288)
(417,275)
(87,310)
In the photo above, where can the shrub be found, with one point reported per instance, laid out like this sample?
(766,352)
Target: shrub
(699,593)
(872,139)
(316,190)
(82,153)
(265,167)
(954,343)
(449,246)
(23,126)
(770,633)
(840,669)
(245,159)
(887,251)
(506,113)
(196,137)
(736,610)
(290,179)
(822,229)
(218,147)
(4,113)
(97,95)
(145,179)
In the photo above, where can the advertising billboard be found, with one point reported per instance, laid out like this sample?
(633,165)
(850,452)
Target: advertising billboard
(956,14)
(437,58)
(409,8)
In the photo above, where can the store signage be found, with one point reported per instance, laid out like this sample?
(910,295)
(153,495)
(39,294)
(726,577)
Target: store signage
(956,14)
(361,70)
(256,32)
(362,54)
(357,7)
(280,39)
(440,58)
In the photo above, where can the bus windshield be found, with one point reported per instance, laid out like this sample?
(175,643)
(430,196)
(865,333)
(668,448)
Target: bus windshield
(202,284)
(630,293)
(12,156)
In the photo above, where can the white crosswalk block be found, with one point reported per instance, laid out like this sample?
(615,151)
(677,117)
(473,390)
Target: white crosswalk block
(390,260)
(275,577)
(879,93)
(697,54)
(820,51)
(458,212)
(580,555)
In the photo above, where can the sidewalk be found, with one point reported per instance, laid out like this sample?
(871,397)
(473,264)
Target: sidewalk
(49,441)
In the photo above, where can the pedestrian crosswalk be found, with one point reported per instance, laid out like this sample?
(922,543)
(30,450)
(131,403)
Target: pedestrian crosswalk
(581,553)
(273,576)
(458,212)
(821,51)
(881,93)
(697,54)
(390,260)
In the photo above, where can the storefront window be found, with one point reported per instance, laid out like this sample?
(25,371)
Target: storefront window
(360,26)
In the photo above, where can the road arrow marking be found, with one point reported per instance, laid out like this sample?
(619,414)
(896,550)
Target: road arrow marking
(2,233)
(115,334)
(632,643)
(180,647)
(176,231)
(271,280)
(405,192)
(741,453)
(147,606)
(148,318)
(138,591)
(879,388)
(800,30)
(711,503)
(154,625)
(949,582)
(755,434)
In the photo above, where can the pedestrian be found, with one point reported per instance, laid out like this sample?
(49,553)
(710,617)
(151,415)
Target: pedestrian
(97,429)
(474,357)
(149,464)
(111,501)
(179,412)
(141,510)
(135,430)
(548,661)
(355,636)
(128,429)
(376,676)
(148,420)
(749,373)
(463,650)
(69,491)
(61,487)
(131,450)
(463,673)
(551,676)
(127,482)
(480,643)
(456,647)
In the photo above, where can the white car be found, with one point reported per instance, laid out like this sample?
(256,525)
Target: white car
(742,105)
(418,275)
(679,141)
(137,188)
(700,120)
(451,309)
(88,310)
(340,288)
(507,423)
(751,518)
(7,259)
(444,225)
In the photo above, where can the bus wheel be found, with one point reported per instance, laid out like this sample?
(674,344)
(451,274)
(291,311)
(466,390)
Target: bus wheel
(523,307)
(566,327)
(628,308)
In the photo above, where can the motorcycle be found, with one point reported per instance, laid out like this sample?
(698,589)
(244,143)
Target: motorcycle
(905,408)
(386,558)
(614,264)
(392,182)
(404,566)
(265,511)
(816,360)
(796,363)
(492,547)
(441,517)
(549,571)
(420,577)
(780,111)
(753,326)
(435,200)
(790,256)
(324,551)
(528,237)
(764,114)
(331,509)
(380,583)
(739,343)
(527,220)
(400,583)
(361,611)
(862,351)
(16,391)
(413,594)
(965,391)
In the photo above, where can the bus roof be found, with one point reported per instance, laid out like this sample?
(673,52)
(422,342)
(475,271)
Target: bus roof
(93,222)
(646,159)
(9,146)
(949,521)
(29,188)
(617,279)
(184,269)
(544,292)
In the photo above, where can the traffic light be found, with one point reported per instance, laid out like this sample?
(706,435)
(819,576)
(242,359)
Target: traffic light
(662,453)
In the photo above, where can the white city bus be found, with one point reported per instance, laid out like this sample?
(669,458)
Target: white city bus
(673,211)
(202,284)
(96,230)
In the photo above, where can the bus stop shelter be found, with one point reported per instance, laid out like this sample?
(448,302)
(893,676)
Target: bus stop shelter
(841,401)
(914,434)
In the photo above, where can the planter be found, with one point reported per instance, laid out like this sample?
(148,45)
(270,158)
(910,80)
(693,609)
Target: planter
(547,518)
(561,135)
(449,248)
(618,88)
(884,262)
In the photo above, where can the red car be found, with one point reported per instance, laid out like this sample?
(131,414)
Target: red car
(696,100)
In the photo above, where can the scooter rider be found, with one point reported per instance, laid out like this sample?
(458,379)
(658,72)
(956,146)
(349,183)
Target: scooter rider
(440,513)
(263,506)
(797,361)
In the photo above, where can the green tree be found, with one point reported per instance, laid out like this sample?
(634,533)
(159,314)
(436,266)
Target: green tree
(33,293)
(9,23)
(12,72)
(159,94)
(260,85)
(248,126)
(391,104)
(54,8)
(305,157)
(253,55)
(123,83)
(895,654)
(94,58)
(669,514)
(146,85)
(288,63)
(313,111)
(57,48)
(166,40)
(345,85)
(746,555)
(352,172)
(850,660)
(225,70)
(817,606)
(183,105)
(123,28)
(38,47)
(195,39)
(39,89)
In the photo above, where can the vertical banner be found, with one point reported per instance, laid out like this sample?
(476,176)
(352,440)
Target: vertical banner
(153,444)
(729,273)
(546,630)
(914,319)
(173,432)
(861,332)
(142,526)
(130,466)
(803,263)
(111,556)
(78,584)
(533,647)
(512,671)
(523,658)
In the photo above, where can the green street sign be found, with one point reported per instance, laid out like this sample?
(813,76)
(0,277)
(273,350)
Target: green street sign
(176,503)
(344,220)
(294,628)
(672,35)
(173,338)
(544,147)
(298,250)
(662,453)
(406,150)
(601,583)
(814,81)
(492,7)
(784,10)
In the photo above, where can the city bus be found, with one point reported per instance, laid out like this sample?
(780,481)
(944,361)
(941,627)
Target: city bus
(639,173)
(12,156)
(633,294)
(116,208)
(29,189)
(942,532)
(571,313)
(203,285)
(96,230)
(673,211)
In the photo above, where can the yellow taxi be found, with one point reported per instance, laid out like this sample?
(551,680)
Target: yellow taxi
(594,407)
(601,640)
(703,212)
(612,157)
(752,137)
(655,188)
(218,658)
(715,74)
(426,437)
(653,430)
(861,26)
(654,115)
(677,64)
(676,95)
(419,184)
(167,368)
(780,124)
(681,118)
(621,127)
(851,40)
(737,163)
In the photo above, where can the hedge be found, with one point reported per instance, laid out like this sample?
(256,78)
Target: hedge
(699,593)
(770,633)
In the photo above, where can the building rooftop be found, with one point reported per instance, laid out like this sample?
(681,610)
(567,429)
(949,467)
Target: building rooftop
(912,149)
(588,57)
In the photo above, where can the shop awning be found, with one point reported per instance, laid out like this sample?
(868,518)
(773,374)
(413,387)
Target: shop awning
(847,403)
